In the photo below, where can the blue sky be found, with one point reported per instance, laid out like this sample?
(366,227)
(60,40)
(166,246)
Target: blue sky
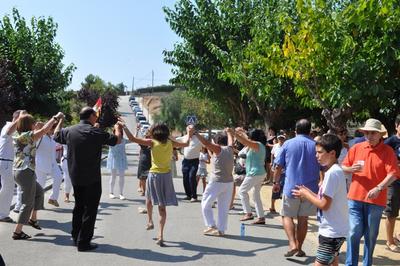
(116,40)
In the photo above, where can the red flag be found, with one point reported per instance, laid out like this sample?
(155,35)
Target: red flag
(97,107)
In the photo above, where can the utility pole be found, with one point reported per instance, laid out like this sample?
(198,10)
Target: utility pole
(133,83)
(152,78)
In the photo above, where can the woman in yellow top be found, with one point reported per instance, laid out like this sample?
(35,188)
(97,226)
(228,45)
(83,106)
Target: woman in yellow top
(159,185)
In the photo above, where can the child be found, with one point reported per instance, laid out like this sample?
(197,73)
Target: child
(331,201)
(274,153)
(202,172)
(117,163)
(159,185)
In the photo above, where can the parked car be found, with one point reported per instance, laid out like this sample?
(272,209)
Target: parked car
(140,118)
(136,109)
(144,129)
(133,103)
(138,113)
(132,98)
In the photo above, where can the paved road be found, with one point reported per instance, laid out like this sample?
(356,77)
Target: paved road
(123,240)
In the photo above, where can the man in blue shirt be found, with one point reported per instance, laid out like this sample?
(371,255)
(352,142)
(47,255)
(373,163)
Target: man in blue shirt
(298,158)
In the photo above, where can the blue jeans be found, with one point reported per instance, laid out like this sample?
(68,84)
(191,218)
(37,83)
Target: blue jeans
(189,171)
(364,219)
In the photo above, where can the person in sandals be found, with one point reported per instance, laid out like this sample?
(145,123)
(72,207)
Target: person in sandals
(221,182)
(255,172)
(331,201)
(24,166)
(159,185)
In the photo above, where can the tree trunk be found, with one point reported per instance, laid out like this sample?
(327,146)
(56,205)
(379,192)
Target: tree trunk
(337,118)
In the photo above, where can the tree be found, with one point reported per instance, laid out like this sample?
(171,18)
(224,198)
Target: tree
(343,57)
(38,72)
(179,104)
(197,68)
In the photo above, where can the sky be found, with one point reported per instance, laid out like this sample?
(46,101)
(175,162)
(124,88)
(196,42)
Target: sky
(117,40)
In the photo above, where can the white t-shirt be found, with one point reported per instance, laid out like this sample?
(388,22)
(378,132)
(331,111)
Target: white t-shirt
(193,150)
(6,151)
(334,222)
(45,158)
(202,160)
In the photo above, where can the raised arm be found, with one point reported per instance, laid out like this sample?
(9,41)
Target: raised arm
(241,136)
(13,125)
(131,137)
(37,134)
(118,132)
(189,134)
(214,148)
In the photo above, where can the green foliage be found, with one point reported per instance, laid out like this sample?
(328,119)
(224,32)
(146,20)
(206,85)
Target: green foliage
(38,75)
(95,83)
(201,26)
(155,89)
(179,104)
(341,57)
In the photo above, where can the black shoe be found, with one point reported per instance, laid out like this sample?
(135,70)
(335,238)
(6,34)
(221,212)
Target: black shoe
(88,247)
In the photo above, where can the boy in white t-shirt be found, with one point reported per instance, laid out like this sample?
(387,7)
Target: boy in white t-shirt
(331,201)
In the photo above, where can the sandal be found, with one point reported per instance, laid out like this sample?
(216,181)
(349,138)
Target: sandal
(301,253)
(160,242)
(149,226)
(393,248)
(259,221)
(34,224)
(20,236)
(247,217)
(291,253)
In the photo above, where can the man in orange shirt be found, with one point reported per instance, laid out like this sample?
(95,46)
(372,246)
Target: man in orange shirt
(373,165)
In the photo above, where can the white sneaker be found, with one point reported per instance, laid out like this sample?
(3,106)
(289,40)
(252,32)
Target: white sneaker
(122,197)
(112,196)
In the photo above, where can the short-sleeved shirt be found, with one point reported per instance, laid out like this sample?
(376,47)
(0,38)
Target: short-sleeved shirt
(161,156)
(255,161)
(298,158)
(202,160)
(84,144)
(333,222)
(25,151)
(222,166)
(6,151)
(379,161)
(394,142)
(193,150)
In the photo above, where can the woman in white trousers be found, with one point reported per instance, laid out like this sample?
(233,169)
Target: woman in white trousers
(255,172)
(46,165)
(221,183)
(65,173)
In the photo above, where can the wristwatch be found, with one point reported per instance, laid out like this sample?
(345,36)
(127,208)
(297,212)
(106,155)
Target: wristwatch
(379,187)
(274,183)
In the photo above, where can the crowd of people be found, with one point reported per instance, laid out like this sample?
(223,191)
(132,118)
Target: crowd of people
(348,186)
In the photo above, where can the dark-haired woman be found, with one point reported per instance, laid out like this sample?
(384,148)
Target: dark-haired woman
(159,185)
(255,172)
(24,165)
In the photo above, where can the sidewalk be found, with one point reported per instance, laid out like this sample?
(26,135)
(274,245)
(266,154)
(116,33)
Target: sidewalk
(381,255)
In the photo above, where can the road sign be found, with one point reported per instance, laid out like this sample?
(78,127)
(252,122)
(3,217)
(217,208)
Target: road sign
(191,120)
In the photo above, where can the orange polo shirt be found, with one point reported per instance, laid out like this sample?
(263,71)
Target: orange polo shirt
(379,162)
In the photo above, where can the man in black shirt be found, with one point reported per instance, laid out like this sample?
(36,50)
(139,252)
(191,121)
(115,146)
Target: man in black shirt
(393,195)
(84,142)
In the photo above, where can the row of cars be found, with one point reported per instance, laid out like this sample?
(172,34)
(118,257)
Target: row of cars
(142,124)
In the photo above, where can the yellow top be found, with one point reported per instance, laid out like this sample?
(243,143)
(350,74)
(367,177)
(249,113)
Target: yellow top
(161,156)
